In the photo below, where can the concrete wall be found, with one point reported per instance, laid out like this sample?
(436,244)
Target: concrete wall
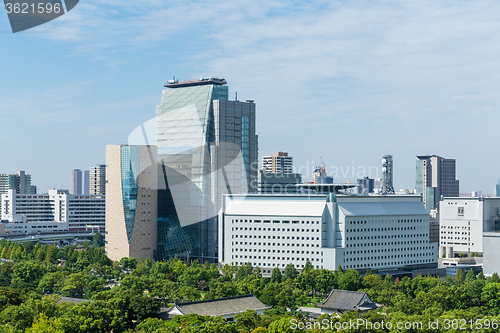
(491,259)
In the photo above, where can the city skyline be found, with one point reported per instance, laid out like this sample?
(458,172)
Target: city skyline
(412,79)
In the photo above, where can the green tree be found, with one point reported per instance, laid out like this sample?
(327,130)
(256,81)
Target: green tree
(284,325)
(491,295)
(51,256)
(94,317)
(43,324)
(324,281)
(494,278)
(459,277)
(51,282)
(98,240)
(75,284)
(27,274)
(247,320)
(350,280)
(189,293)
(290,272)
(276,275)
(470,276)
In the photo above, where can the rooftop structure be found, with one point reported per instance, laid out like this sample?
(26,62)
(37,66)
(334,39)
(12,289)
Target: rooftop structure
(326,188)
(191,83)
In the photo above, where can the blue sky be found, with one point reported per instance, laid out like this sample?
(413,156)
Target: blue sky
(345,80)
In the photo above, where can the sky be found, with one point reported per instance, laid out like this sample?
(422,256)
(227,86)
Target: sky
(341,81)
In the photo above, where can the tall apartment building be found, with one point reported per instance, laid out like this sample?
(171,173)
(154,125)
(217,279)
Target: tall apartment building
(463,220)
(76,181)
(97,180)
(80,182)
(276,175)
(280,162)
(207,146)
(131,201)
(20,183)
(435,177)
(81,212)
(359,232)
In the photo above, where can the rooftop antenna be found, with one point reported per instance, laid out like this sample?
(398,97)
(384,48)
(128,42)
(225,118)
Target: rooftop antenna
(236,97)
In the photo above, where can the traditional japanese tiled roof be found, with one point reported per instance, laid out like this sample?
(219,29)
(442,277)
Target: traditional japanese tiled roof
(221,306)
(72,300)
(345,300)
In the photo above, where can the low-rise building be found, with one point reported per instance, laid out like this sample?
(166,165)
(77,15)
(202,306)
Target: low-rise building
(79,212)
(360,232)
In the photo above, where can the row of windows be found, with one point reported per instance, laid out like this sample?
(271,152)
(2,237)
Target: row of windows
(387,243)
(278,258)
(280,244)
(380,229)
(387,257)
(271,265)
(274,237)
(389,250)
(392,263)
(275,221)
(387,221)
(275,229)
(386,236)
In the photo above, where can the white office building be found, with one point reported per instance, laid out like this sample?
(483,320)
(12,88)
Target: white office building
(18,224)
(360,232)
(80,212)
(463,220)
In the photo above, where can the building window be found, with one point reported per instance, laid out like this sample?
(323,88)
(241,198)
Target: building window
(460,211)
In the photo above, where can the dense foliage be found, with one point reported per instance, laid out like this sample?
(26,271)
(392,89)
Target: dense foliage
(126,295)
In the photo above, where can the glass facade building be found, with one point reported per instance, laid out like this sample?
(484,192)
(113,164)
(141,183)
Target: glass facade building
(199,156)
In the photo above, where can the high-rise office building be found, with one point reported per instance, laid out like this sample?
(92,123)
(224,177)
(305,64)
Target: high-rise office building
(131,201)
(20,183)
(206,147)
(366,185)
(435,177)
(97,180)
(280,162)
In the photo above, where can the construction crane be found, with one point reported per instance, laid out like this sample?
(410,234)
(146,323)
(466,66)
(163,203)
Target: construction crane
(323,164)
